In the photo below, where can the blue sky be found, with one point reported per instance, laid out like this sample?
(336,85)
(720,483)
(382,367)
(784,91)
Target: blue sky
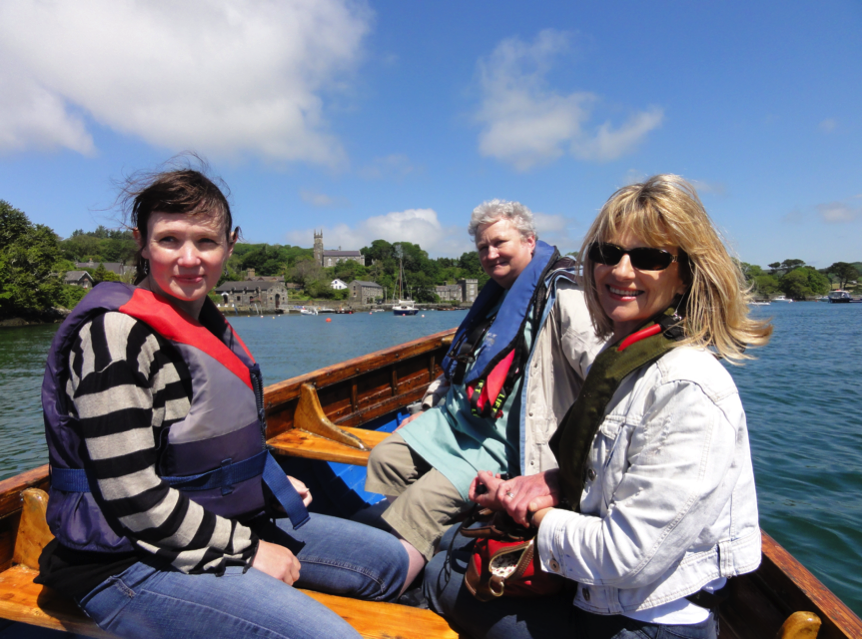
(394,119)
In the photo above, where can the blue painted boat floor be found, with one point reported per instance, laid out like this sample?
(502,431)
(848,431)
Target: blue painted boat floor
(338,489)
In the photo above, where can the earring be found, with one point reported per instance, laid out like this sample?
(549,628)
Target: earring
(146,268)
(226,271)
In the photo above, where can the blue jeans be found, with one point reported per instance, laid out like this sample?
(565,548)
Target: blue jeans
(546,617)
(152,600)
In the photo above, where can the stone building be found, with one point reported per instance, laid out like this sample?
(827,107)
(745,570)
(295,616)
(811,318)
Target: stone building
(330,258)
(463,291)
(449,292)
(469,289)
(269,294)
(363,292)
(79,279)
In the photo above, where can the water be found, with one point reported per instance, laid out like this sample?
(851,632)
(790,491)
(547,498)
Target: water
(802,397)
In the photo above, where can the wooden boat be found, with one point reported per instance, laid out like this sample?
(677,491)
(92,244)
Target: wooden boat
(325,415)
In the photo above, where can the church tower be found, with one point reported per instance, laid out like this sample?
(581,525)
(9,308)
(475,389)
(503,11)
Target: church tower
(319,247)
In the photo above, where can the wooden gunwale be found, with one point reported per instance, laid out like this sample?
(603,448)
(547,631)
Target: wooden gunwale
(759,602)
(362,389)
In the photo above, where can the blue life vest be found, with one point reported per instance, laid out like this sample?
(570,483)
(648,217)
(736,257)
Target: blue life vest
(216,455)
(496,347)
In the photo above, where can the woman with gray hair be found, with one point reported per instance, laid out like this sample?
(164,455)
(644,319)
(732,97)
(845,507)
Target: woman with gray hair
(515,366)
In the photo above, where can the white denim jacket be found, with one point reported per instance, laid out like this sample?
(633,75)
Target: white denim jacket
(669,499)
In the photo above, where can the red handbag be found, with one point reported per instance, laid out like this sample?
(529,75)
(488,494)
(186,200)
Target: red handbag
(504,560)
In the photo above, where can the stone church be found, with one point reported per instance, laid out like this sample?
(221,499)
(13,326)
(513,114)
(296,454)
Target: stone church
(330,258)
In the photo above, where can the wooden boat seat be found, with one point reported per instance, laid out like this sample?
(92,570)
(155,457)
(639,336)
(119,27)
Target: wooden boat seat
(22,600)
(314,436)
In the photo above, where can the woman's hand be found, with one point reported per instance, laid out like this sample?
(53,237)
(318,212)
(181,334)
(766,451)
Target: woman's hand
(483,490)
(409,419)
(519,496)
(277,561)
(302,489)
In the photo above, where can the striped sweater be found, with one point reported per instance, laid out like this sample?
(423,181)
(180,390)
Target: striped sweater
(128,385)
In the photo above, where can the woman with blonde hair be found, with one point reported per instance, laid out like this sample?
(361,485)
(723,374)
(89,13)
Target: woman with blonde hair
(653,506)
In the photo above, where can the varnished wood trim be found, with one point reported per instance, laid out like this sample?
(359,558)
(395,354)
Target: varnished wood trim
(386,620)
(802,591)
(800,624)
(283,391)
(10,489)
(21,600)
(310,417)
(302,444)
(33,531)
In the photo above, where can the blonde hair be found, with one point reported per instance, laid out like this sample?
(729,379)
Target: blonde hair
(665,210)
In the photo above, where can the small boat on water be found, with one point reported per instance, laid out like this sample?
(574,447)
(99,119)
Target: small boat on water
(760,303)
(322,426)
(405,308)
(782,298)
(311,311)
(839,296)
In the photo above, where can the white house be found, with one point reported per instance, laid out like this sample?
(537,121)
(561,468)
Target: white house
(338,284)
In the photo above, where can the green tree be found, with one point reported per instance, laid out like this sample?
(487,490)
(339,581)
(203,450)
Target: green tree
(348,270)
(843,272)
(101,274)
(29,255)
(804,282)
(790,265)
(765,285)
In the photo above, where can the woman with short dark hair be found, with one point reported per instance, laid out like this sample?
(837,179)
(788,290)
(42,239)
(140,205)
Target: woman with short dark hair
(162,489)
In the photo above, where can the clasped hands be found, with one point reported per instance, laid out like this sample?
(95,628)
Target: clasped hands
(525,498)
(274,559)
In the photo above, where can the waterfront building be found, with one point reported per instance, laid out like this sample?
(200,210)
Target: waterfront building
(79,279)
(268,293)
(338,285)
(364,292)
(330,258)
(449,292)
(469,289)
(464,290)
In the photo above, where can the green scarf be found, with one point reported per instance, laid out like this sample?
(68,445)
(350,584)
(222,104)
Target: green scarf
(571,442)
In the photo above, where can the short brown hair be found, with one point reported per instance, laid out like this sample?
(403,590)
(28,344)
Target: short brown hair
(181,190)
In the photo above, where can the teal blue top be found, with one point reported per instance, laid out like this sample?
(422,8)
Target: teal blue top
(459,444)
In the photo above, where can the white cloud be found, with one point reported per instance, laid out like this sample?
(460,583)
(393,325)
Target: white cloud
(526,123)
(322,199)
(222,78)
(609,143)
(834,212)
(828,125)
(555,229)
(549,223)
(419,226)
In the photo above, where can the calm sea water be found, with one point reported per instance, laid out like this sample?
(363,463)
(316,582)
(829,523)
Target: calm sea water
(802,397)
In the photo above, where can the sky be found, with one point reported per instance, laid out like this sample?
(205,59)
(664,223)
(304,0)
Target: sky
(394,119)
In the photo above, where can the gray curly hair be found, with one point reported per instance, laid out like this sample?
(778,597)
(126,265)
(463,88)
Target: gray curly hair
(494,210)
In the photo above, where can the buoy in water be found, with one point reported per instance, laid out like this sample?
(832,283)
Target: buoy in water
(423,316)
(329,319)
